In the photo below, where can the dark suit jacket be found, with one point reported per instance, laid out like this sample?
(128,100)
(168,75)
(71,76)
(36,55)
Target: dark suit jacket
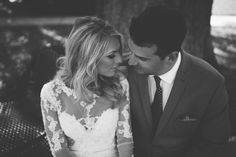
(195,121)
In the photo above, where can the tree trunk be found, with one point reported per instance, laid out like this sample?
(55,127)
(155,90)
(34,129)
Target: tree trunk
(198,39)
(196,12)
(120,12)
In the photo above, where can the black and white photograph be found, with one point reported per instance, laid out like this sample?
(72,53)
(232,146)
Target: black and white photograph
(117,78)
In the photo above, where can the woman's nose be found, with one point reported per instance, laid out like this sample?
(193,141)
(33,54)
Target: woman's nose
(118,59)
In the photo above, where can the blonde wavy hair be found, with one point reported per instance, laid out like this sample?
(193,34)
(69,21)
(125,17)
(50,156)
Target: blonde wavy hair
(84,48)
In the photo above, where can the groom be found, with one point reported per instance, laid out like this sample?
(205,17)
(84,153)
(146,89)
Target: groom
(179,105)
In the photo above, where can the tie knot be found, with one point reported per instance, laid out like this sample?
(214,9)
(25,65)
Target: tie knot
(158,80)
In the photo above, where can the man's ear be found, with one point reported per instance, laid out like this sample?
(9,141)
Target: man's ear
(172,56)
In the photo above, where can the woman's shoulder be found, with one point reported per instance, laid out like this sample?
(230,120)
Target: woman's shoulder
(47,89)
(58,86)
(53,87)
(52,92)
(49,95)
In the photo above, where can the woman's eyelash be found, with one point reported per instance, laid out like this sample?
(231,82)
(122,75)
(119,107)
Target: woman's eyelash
(111,56)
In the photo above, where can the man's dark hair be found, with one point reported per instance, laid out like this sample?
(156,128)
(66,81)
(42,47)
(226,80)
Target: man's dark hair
(159,25)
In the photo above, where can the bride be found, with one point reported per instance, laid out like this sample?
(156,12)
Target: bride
(85,107)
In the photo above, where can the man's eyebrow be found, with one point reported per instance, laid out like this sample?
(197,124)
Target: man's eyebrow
(141,57)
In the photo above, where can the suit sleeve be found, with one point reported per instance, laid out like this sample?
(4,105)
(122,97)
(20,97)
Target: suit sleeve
(215,127)
(55,135)
(123,133)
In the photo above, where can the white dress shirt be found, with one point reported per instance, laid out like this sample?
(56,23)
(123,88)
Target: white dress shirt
(166,83)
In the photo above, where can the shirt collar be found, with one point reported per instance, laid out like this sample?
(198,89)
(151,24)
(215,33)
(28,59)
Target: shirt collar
(169,76)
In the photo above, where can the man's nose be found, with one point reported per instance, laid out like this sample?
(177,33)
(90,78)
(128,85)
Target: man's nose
(133,60)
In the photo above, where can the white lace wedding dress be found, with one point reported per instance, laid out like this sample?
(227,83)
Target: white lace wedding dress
(81,130)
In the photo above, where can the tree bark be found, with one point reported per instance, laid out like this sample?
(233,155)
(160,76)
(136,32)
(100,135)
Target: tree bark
(120,12)
(196,12)
(198,39)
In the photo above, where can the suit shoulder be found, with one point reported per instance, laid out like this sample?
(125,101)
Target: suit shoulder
(205,70)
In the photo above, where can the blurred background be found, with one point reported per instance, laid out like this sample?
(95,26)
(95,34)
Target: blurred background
(32,34)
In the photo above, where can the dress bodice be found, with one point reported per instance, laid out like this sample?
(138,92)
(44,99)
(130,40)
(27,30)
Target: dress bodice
(85,132)
(99,137)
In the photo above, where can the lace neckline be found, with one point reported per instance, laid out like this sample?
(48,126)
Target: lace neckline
(88,123)
(69,91)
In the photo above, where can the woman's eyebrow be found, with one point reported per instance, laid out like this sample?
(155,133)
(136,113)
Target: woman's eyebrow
(112,52)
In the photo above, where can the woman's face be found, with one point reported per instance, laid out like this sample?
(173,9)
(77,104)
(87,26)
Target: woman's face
(110,60)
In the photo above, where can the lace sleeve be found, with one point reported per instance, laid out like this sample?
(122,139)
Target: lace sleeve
(50,106)
(124,134)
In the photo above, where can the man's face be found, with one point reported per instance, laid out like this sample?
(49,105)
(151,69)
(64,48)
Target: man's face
(145,61)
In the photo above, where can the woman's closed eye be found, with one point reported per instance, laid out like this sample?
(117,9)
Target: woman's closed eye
(111,56)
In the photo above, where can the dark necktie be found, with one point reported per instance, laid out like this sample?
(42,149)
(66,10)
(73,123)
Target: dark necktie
(157,104)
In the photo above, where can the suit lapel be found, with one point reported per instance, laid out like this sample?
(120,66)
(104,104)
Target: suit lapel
(145,98)
(176,92)
(140,96)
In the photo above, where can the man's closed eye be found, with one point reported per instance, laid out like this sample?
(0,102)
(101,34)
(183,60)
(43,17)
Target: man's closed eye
(142,58)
